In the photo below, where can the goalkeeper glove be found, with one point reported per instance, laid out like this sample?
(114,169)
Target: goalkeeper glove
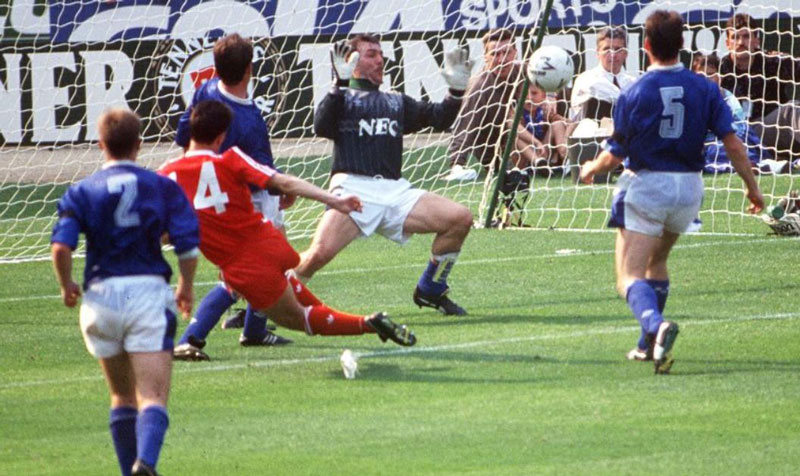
(342,65)
(457,68)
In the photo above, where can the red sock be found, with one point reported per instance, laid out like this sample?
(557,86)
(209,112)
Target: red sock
(304,296)
(322,320)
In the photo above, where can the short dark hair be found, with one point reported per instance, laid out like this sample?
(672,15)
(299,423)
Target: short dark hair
(497,34)
(741,20)
(232,55)
(701,61)
(120,131)
(664,29)
(355,40)
(208,120)
(612,33)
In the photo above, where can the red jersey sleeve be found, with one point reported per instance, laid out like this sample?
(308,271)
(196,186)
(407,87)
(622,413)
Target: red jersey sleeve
(248,170)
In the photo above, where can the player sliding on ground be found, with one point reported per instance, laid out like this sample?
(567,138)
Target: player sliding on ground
(253,257)
(660,123)
(367,127)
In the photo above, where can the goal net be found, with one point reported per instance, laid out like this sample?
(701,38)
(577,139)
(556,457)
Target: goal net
(63,63)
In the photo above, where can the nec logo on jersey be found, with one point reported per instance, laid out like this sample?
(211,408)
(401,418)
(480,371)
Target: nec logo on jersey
(377,127)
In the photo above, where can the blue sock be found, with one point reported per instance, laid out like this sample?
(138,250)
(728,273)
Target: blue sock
(122,423)
(642,300)
(210,310)
(255,324)
(150,429)
(434,279)
(661,287)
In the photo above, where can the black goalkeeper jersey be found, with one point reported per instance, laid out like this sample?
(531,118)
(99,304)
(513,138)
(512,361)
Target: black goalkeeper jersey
(367,126)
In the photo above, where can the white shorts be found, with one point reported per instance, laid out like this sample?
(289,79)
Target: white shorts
(269,206)
(386,203)
(128,313)
(650,202)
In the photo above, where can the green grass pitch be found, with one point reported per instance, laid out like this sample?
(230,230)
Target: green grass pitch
(532,381)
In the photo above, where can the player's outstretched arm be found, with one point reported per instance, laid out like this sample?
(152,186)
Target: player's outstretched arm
(288,184)
(602,163)
(62,266)
(738,154)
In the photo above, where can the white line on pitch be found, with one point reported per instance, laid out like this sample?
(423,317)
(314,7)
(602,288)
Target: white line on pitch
(469,262)
(201,368)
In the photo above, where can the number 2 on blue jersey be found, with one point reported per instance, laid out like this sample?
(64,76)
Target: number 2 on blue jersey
(126,184)
(671,126)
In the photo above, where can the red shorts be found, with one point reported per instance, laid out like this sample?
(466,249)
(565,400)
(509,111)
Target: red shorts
(257,273)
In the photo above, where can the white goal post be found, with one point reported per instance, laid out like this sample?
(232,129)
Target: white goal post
(62,63)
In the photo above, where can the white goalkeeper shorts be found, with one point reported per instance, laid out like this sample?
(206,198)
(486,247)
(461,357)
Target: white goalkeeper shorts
(386,203)
(650,202)
(269,206)
(128,313)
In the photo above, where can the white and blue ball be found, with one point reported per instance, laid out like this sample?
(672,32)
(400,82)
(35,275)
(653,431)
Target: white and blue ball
(550,68)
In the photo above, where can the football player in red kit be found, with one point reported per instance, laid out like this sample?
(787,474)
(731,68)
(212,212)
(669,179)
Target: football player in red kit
(253,257)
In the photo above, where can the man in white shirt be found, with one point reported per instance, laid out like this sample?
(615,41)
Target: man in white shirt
(596,90)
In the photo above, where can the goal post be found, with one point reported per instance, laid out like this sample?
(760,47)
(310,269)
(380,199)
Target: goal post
(62,63)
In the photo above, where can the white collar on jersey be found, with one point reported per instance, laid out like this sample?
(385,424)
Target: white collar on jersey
(112,163)
(195,153)
(231,97)
(670,67)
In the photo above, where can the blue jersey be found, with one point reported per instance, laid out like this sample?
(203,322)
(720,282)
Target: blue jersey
(660,122)
(248,130)
(124,210)
(535,124)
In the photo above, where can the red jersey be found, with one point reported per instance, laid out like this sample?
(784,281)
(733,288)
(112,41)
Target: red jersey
(218,187)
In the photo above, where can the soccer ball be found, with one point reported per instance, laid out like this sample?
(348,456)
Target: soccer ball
(550,68)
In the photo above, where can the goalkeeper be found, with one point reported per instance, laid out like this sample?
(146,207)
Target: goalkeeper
(367,127)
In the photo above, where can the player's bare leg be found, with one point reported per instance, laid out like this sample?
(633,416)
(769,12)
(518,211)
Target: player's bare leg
(138,380)
(319,319)
(120,379)
(153,372)
(334,232)
(638,251)
(619,255)
(657,267)
(124,411)
(436,214)
(629,262)
(451,222)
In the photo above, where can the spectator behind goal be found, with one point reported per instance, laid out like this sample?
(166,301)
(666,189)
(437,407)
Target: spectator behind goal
(541,142)
(717,159)
(478,127)
(596,90)
(765,83)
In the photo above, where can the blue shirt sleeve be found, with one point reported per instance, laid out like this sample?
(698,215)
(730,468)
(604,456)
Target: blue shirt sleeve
(182,225)
(721,118)
(68,227)
(618,143)
(182,135)
(256,142)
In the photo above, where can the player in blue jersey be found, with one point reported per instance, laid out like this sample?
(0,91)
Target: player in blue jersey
(660,124)
(128,312)
(367,127)
(233,59)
